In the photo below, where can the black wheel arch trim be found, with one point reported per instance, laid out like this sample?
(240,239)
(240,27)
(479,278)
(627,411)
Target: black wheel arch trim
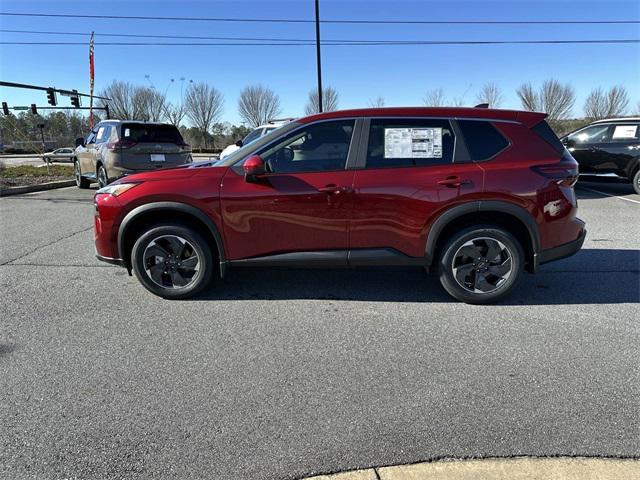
(483,206)
(129,218)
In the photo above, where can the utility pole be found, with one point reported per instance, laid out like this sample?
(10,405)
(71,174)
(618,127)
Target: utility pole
(318,55)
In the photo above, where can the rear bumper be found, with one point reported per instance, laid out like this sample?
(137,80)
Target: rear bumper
(562,251)
(112,261)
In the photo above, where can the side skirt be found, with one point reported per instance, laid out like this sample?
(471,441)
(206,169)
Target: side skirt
(366,257)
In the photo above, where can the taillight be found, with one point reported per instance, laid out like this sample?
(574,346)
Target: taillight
(565,173)
(121,144)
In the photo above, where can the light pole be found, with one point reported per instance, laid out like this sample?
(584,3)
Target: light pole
(318,56)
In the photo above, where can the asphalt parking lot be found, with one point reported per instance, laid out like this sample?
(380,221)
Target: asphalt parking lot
(282,374)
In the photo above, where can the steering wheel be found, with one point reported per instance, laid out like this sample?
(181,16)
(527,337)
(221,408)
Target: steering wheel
(280,159)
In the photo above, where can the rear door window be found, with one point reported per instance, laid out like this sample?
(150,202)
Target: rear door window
(142,133)
(625,133)
(103,133)
(409,142)
(483,140)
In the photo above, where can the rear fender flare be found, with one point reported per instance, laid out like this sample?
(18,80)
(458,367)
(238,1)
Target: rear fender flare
(482,206)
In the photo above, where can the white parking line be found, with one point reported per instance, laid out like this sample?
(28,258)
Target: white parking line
(608,194)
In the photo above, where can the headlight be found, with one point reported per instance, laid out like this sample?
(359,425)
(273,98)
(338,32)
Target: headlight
(115,189)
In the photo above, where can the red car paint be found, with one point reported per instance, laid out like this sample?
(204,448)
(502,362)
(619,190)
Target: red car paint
(357,208)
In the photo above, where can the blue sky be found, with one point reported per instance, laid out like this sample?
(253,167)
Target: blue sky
(400,74)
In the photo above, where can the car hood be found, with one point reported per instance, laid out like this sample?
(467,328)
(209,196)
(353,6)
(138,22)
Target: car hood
(183,171)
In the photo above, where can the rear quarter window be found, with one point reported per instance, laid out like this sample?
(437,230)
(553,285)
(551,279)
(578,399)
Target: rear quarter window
(483,140)
(142,133)
(543,130)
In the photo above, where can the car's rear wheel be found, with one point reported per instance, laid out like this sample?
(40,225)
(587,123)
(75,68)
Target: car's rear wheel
(103,178)
(481,264)
(636,182)
(81,182)
(172,261)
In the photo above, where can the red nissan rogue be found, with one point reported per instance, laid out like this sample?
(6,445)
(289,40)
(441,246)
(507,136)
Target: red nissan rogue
(474,195)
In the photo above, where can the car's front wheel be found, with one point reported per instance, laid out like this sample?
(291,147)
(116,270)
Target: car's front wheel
(481,264)
(172,261)
(636,182)
(81,182)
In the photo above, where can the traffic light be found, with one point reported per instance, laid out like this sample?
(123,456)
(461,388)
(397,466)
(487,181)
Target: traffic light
(75,99)
(51,96)
(106,110)
(5,108)
(34,109)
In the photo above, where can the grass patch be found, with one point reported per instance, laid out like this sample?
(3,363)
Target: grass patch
(63,171)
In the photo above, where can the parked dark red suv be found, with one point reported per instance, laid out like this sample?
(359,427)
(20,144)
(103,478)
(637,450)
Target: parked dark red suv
(474,195)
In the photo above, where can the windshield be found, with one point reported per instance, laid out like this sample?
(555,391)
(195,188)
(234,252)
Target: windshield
(257,144)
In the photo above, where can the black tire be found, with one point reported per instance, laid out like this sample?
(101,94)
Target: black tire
(81,182)
(635,181)
(167,266)
(102,176)
(488,276)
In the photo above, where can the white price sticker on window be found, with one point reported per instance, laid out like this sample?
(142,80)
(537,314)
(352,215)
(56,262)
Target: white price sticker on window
(413,143)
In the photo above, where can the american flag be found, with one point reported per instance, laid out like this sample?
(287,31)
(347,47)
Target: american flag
(91,76)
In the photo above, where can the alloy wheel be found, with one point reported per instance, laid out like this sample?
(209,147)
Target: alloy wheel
(482,265)
(102,177)
(171,262)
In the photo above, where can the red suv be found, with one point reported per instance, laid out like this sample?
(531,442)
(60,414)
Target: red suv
(474,195)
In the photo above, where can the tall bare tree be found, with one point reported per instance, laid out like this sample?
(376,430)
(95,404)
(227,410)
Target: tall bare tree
(434,98)
(600,104)
(149,104)
(121,105)
(257,105)
(553,98)
(376,103)
(329,101)
(175,112)
(491,94)
(203,105)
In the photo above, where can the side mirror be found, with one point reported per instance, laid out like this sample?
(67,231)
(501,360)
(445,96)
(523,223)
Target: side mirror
(253,168)
(239,144)
(80,142)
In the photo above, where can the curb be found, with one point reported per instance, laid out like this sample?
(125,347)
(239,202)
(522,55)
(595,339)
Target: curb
(36,188)
(510,468)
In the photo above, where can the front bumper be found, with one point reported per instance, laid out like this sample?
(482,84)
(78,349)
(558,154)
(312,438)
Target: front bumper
(562,251)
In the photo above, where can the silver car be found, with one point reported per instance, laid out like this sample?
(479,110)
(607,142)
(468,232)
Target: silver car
(59,155)
(116,148)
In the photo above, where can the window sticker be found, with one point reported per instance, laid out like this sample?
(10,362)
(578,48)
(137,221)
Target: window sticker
(625,131)
(127,132)
(100,133)
(413,143)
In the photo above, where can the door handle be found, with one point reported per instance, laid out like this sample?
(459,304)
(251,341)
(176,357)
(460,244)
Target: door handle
(454,182)
(333,189)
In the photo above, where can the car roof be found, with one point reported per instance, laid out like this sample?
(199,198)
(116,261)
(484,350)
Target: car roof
(617,119)
(528,118)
